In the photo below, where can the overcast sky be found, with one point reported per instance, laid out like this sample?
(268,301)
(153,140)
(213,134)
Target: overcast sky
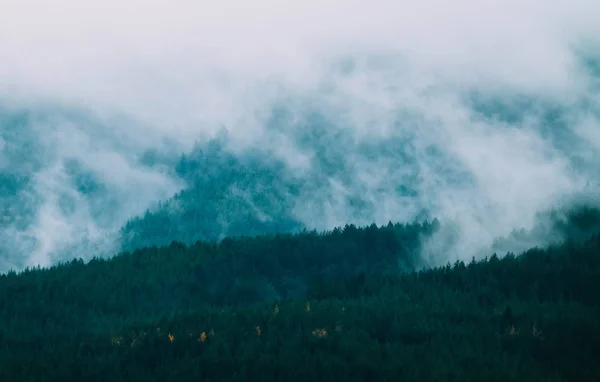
(153,57)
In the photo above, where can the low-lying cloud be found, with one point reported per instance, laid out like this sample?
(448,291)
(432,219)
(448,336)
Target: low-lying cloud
(497,101)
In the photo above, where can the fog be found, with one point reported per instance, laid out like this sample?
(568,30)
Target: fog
(505,92)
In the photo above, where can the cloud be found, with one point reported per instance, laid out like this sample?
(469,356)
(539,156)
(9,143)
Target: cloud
(431,73)
(71,184)
(207,56)
(2,158)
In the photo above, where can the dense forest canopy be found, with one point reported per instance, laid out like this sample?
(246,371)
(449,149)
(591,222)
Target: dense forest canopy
(351,303)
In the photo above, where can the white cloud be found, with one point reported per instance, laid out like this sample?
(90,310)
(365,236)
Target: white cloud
(182,69)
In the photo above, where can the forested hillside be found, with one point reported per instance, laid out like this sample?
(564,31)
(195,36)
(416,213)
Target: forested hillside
(350,304)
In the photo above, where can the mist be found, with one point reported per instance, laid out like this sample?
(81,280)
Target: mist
(496,103)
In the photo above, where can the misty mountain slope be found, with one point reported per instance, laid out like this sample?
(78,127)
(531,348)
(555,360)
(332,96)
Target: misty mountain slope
(254,191)
(574,224)
(372,138)
(82,190)
(65,196)
(483,160)
(338,176)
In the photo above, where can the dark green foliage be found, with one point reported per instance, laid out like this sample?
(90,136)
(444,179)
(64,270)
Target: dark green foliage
(155,280)
(306,307)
